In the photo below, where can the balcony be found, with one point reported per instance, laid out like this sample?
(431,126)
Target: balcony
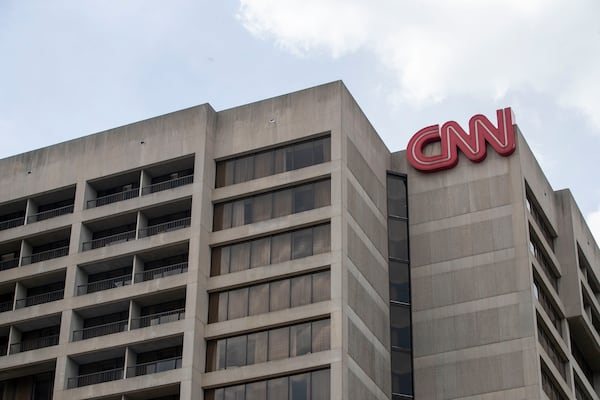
(9,264)
(165,227)
(104,284)
(108,240)
(40,298)
(100,321)
(12,223)
(6,306)
(56,212)
(10,253)
(154,367)
(158,318)
(169,184)
(113,189)
(12,214)
(46,255)
(113,198)
(168,175)
(33,344)
(161,272)
(100,330)
(95,377)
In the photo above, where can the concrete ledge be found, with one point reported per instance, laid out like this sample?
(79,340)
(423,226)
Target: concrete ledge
(272,182)
(271,369)
(269,320)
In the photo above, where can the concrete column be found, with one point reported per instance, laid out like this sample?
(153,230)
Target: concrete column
(138,268)
(145,180)
(81,278)
(30,209)
(130,361)
(72,323)
(85,192)
(142,222)
(134,312)
(20,293)
(25,250)
(14,336)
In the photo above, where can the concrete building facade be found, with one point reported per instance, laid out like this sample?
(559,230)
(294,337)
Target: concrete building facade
(279,250)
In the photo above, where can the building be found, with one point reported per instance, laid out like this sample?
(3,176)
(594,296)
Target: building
(279,248)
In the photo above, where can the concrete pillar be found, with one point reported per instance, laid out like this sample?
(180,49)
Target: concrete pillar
(145,180)
(20,293)
(142,222)
(14,336)
(30,209)
(138,268)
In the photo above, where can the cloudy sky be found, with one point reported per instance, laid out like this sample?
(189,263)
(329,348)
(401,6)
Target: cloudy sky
(70,68)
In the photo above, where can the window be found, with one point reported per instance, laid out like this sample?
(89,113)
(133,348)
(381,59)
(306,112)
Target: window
(270,249)
(274,344)
(273,161)
(270,205)
(313,385)
(271,296)
(399,270)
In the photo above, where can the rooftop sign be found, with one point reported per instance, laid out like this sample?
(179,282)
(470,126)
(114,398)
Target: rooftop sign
(453,138)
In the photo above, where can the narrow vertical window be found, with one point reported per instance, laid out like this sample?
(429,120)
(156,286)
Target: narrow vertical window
(399,270)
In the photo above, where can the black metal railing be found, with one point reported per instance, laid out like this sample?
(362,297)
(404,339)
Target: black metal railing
(171,184)
(105,241)
(6,306)
(104,284)
(12,223)
(33,344)
(165,227)
(154,367)
(99,330)
(40,299)
(158,318)
(161,272)
(8,264)
(50,214)
(45,255)
(97,377)
(113,198)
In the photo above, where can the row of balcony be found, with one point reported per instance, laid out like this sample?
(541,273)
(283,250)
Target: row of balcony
(44,332)
(98,193)
(96,277)
(97,234)
(118,373)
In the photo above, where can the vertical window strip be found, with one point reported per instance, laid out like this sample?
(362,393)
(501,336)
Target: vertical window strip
(399,267)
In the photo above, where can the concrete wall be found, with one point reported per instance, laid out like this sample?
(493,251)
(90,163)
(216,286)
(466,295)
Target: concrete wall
(472,310)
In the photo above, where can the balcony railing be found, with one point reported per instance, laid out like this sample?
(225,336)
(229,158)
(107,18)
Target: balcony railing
(99,330)
(12,223)
(8,264)
(104,284)
(161,272)
(154,367)
(97,377)
(112,239)
(45,255)
(33,344)
(171,184)
(158,318)
(165,227)
(113,198)
(50,214)
(6,306)
(40,299)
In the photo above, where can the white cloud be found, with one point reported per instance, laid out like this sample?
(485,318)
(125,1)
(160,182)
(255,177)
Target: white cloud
(593,220)
(437,49)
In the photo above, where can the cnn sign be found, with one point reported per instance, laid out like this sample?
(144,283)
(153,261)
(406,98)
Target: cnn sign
(453,138)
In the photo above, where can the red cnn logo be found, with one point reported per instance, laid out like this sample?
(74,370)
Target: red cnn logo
(453,137)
